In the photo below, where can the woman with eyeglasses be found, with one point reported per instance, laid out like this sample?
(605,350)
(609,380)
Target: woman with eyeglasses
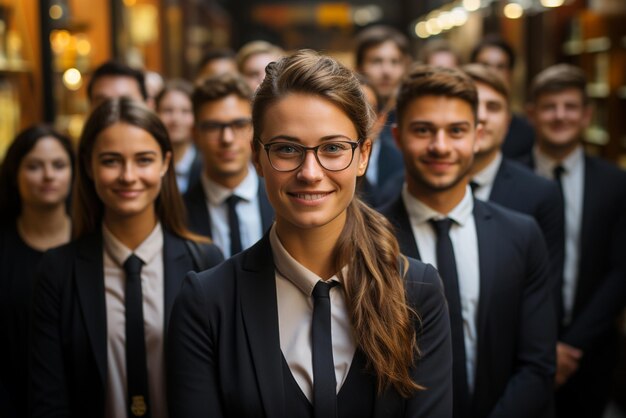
(101,303)
(323,317)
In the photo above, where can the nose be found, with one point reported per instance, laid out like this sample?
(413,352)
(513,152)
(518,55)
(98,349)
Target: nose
(128,173)
(48,171)
(559,111)
(227,134)
(439,142)
(310,171)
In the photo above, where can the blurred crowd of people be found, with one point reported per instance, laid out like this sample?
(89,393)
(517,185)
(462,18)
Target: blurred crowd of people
(233,171)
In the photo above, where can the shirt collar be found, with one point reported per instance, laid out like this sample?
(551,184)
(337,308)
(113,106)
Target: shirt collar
(146,251)
(420,213)
(247,190)
(488,174)
(303,278)
(545,164)
(184,165)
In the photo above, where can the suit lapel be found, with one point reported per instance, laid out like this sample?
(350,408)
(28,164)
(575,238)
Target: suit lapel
(260,317)
(176,263)
(267,212)
(502,186)
(89,281)
(399,217)
(197,210)
(486,233)
(591,196)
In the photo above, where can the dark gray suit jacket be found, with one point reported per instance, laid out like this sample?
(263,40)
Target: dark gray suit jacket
(224,356)
(69,328)
(515,325)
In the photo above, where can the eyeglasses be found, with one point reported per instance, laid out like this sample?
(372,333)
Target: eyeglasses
(213,129)
(332,156)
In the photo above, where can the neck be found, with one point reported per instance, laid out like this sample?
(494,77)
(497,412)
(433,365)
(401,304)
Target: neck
(313,248)
(229,181)
(44,228)
(442,201)
(557,153)
(481,161)
(130,230)
(180,149)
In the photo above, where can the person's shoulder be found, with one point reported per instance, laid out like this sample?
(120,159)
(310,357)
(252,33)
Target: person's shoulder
(605,168)
(421,280)
(511,223)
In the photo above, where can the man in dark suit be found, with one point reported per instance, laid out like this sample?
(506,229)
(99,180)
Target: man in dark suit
(594,277)
(495,53)
(229,203)
(493,261)
(498,179)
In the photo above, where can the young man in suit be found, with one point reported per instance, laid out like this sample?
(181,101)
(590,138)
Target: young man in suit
(229,203)
(114,79)
(493,261)
(495,53)
(382,56)
(594,284)
(498,179)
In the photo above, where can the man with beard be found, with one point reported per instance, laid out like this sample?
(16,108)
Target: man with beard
(493,262)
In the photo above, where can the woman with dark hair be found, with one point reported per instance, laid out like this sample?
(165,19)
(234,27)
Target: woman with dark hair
(174,107)
(101,303)
(323,316)
(35,181)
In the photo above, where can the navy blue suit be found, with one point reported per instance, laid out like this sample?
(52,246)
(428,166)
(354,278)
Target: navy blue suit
(224,356)
(199,217)
(69,329)
(601,289)
(515,324)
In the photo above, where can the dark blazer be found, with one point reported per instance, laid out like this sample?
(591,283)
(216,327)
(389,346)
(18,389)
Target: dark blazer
(199,217)
(515,187)
(69,329)
(519,138)
(601,289)
(224,356)
(195,171)
(515,325)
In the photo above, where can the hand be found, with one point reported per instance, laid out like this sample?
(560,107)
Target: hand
(567,361)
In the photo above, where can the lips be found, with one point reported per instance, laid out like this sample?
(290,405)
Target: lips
(128,194)
(309,198)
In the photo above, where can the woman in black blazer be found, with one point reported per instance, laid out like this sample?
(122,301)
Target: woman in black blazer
(35,182)
(126,205)
(251,336)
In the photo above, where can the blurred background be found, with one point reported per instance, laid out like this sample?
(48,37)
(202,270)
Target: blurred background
(48,48)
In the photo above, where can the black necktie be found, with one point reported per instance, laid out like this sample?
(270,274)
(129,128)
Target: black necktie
(324,381)
(558,173)
(446,264)
(473,185)
(233,224)
(136,366)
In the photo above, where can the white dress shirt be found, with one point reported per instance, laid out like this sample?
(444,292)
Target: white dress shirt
(573,183)
(248,211)
(150,251)
(372,165)
(183,167)
(485,178)
(294,293)
(465,245)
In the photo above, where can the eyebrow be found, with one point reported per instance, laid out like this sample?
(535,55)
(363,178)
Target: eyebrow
(323,139)
(118,154)
(429,123)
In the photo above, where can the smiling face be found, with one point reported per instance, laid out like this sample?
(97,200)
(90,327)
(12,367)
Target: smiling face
(437,137)
(384,65)
(176,112)
(44,175)
(310,196)
(225,150)
(127,166)
(560,118)
(494,116)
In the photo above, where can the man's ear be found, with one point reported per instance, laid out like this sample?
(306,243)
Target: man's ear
(531,113)
(480,133)
(395,131)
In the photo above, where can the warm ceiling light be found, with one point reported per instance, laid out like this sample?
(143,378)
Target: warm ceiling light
(471,5)
(552,3)
(513,11)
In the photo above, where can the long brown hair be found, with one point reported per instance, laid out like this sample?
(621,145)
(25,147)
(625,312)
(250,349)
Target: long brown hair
(87,208)
(375,295)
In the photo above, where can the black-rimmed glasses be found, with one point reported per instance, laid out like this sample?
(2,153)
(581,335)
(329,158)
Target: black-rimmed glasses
(214,129)
(331,155)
